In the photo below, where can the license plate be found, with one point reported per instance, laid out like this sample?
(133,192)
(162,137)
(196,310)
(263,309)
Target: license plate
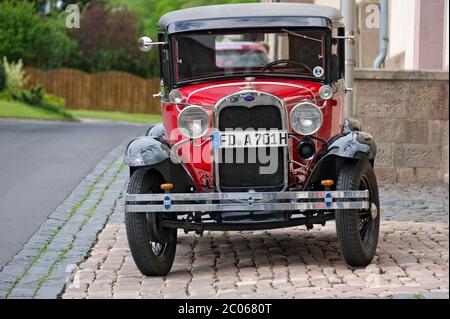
(244,139)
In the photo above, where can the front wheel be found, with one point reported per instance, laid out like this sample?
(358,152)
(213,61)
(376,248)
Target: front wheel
(152,247)
(358,231)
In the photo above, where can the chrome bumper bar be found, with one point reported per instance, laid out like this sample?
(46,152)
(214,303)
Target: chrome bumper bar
(235,202)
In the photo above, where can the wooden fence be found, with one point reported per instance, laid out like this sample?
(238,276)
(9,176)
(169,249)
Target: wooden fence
(107,91)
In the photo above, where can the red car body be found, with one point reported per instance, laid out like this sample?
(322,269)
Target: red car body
(333,114)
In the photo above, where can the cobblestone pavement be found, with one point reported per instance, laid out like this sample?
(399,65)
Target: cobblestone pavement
(415,202)
(411,261)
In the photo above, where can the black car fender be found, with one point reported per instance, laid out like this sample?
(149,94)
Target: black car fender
(148,150)
(153,153)
(344,147)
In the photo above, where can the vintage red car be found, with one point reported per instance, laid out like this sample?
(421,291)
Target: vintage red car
(250,145)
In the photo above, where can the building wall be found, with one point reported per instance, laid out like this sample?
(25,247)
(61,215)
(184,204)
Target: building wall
(430,34)
(407,113)
(418,31)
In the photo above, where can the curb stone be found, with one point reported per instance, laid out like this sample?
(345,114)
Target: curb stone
(47,260)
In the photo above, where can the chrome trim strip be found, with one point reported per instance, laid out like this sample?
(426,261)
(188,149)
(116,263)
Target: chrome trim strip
(242,207)
(244,196)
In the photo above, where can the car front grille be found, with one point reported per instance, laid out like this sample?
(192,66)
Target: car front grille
(243,176)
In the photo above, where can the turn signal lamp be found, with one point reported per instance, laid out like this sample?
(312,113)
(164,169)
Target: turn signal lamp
(166,186)
(327,182)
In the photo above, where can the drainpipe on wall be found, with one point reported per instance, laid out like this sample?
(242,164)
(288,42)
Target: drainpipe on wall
(348,14)
(384,35)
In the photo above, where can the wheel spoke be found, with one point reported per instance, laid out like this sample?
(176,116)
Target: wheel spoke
(364,228)
(158,248)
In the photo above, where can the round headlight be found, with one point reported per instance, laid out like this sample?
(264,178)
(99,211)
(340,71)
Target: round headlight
(176,97)
(326,92)
(193,122)
(306,118)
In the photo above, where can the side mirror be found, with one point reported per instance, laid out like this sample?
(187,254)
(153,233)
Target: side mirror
(145,44)
(334,72)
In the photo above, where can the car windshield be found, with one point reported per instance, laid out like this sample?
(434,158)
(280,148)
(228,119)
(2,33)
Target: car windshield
(281,52)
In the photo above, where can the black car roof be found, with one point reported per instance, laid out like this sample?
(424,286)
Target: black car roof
(188,19)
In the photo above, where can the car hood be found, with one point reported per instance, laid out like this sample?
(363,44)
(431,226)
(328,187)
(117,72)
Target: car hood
(210,93)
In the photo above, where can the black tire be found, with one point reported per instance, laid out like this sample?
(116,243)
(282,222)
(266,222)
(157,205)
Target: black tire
(357,233)
(151,257)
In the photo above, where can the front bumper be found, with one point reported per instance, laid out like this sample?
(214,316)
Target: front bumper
(184,203)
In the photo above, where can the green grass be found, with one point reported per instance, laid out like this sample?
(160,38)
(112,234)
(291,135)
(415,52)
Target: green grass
(118,116)
(14,109)
(19,110)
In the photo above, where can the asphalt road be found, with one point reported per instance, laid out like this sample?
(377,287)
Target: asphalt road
(40,164)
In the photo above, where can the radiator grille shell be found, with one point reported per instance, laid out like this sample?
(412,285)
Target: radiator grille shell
(244,176)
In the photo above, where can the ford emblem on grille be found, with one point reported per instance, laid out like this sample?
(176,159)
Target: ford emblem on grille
(249,98)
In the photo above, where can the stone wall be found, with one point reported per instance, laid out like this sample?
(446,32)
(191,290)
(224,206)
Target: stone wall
(407,113)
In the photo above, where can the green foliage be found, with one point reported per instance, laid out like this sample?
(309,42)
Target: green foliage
(37,97)
(38,41)
(5,96)
(149,12)
(15,77)
(2,77)
(33,96)
(55,100)
(107,41)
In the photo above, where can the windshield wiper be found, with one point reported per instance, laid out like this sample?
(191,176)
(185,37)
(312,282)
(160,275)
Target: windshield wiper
(301,35)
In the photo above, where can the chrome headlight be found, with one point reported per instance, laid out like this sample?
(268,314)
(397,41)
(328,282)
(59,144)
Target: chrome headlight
(176,97)
(326,92)
(193,122)
(306,118)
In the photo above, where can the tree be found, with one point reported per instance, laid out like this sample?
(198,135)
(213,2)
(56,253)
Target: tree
(38,41)
(107,40)
(2,76)
(148,13)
